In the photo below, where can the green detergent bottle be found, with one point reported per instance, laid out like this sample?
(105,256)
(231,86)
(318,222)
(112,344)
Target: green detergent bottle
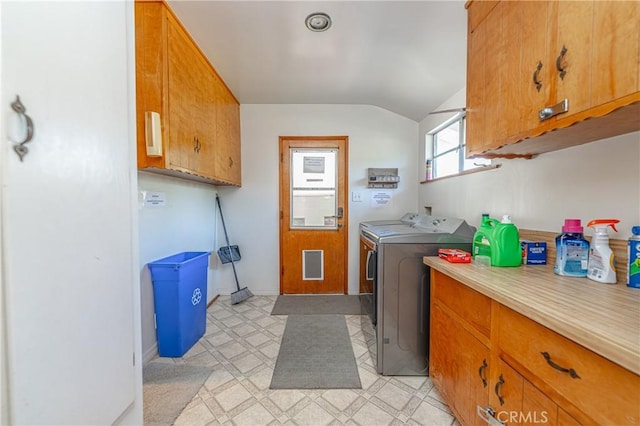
(481,249)
(505,244)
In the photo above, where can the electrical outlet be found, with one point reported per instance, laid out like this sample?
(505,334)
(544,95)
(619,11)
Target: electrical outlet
(356,197)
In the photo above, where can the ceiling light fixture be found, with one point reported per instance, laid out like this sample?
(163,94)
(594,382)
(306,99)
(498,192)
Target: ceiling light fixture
(318,22)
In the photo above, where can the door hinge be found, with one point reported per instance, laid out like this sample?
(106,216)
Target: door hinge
(281,215)
(281,157)
(134,359)
(282,271)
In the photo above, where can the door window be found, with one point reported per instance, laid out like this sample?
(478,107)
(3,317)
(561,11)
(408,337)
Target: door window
(313,188)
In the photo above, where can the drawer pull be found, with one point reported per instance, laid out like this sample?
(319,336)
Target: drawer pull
(560,65)
(536,80)
(482,373)
(570,371)
(498,389)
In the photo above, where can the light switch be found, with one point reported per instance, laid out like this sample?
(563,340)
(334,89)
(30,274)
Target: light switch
(356,197)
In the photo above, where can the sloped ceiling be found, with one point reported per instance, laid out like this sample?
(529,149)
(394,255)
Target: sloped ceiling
(403,56)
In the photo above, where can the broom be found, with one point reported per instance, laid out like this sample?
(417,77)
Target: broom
(241,294)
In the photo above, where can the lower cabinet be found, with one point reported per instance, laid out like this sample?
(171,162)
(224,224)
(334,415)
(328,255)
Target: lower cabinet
(459,357)
(513,401)
(515,371)
(462,379)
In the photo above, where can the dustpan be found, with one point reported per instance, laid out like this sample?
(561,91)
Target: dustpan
(229,254)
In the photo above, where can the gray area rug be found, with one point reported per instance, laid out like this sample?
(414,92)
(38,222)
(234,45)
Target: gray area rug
(316,353)
(168,388)
(341,304)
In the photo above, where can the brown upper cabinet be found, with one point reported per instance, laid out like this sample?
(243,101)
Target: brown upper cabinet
(199,116)
(547,75)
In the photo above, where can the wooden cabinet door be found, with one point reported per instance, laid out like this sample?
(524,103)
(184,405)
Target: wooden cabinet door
(204,116)
(458,363)
(616,50)
(538,408)
(517,402)
(475,123)
(505,394)
(182,93)
(571,53)
(494,62)
(536,28)
(227,165)
(511,79)
(485,70)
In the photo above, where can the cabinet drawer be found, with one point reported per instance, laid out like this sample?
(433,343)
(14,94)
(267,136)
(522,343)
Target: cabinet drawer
(600,390)
(473,307)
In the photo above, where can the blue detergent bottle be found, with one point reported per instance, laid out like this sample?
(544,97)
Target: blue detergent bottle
(572,250)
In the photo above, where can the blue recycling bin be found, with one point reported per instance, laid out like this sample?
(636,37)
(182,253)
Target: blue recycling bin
(180,299)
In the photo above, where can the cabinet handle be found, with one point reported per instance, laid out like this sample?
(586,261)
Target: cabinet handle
(488,415)
(560,65)
(570,371)
(195,144)
(20,147)
(482,373)
(498,389)
(556,109)
(230,162)
(537,82)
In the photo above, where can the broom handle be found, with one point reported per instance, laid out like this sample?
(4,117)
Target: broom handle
(224,227)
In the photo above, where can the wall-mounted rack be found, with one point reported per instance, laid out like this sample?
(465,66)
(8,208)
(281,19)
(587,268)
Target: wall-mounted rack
(382,178)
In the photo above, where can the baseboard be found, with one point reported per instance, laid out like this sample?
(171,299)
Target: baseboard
(150,354)
(213,300)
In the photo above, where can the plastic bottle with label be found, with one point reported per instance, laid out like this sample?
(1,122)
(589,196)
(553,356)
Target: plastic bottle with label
(602,261)
(505,250)
(633,256)
(481,249)
(572,250)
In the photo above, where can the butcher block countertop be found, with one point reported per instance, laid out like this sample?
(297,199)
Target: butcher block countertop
(604,318)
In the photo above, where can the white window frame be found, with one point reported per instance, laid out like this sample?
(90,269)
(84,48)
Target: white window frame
(460,119)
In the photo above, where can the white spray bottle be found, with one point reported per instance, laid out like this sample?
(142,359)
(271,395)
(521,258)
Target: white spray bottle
(602,262)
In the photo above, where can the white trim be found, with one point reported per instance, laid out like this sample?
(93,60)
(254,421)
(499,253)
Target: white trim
(447,123)
(5,414)
(150,354)
(134,413)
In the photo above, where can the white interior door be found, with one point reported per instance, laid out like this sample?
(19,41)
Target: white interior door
(67,231)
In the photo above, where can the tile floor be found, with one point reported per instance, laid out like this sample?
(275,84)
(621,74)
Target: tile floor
(242,343)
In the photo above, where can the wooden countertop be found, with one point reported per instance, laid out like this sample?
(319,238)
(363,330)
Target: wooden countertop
(602,317)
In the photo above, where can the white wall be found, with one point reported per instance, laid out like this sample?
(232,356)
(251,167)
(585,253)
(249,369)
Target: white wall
(597,180)
(185,223)
(377,138)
